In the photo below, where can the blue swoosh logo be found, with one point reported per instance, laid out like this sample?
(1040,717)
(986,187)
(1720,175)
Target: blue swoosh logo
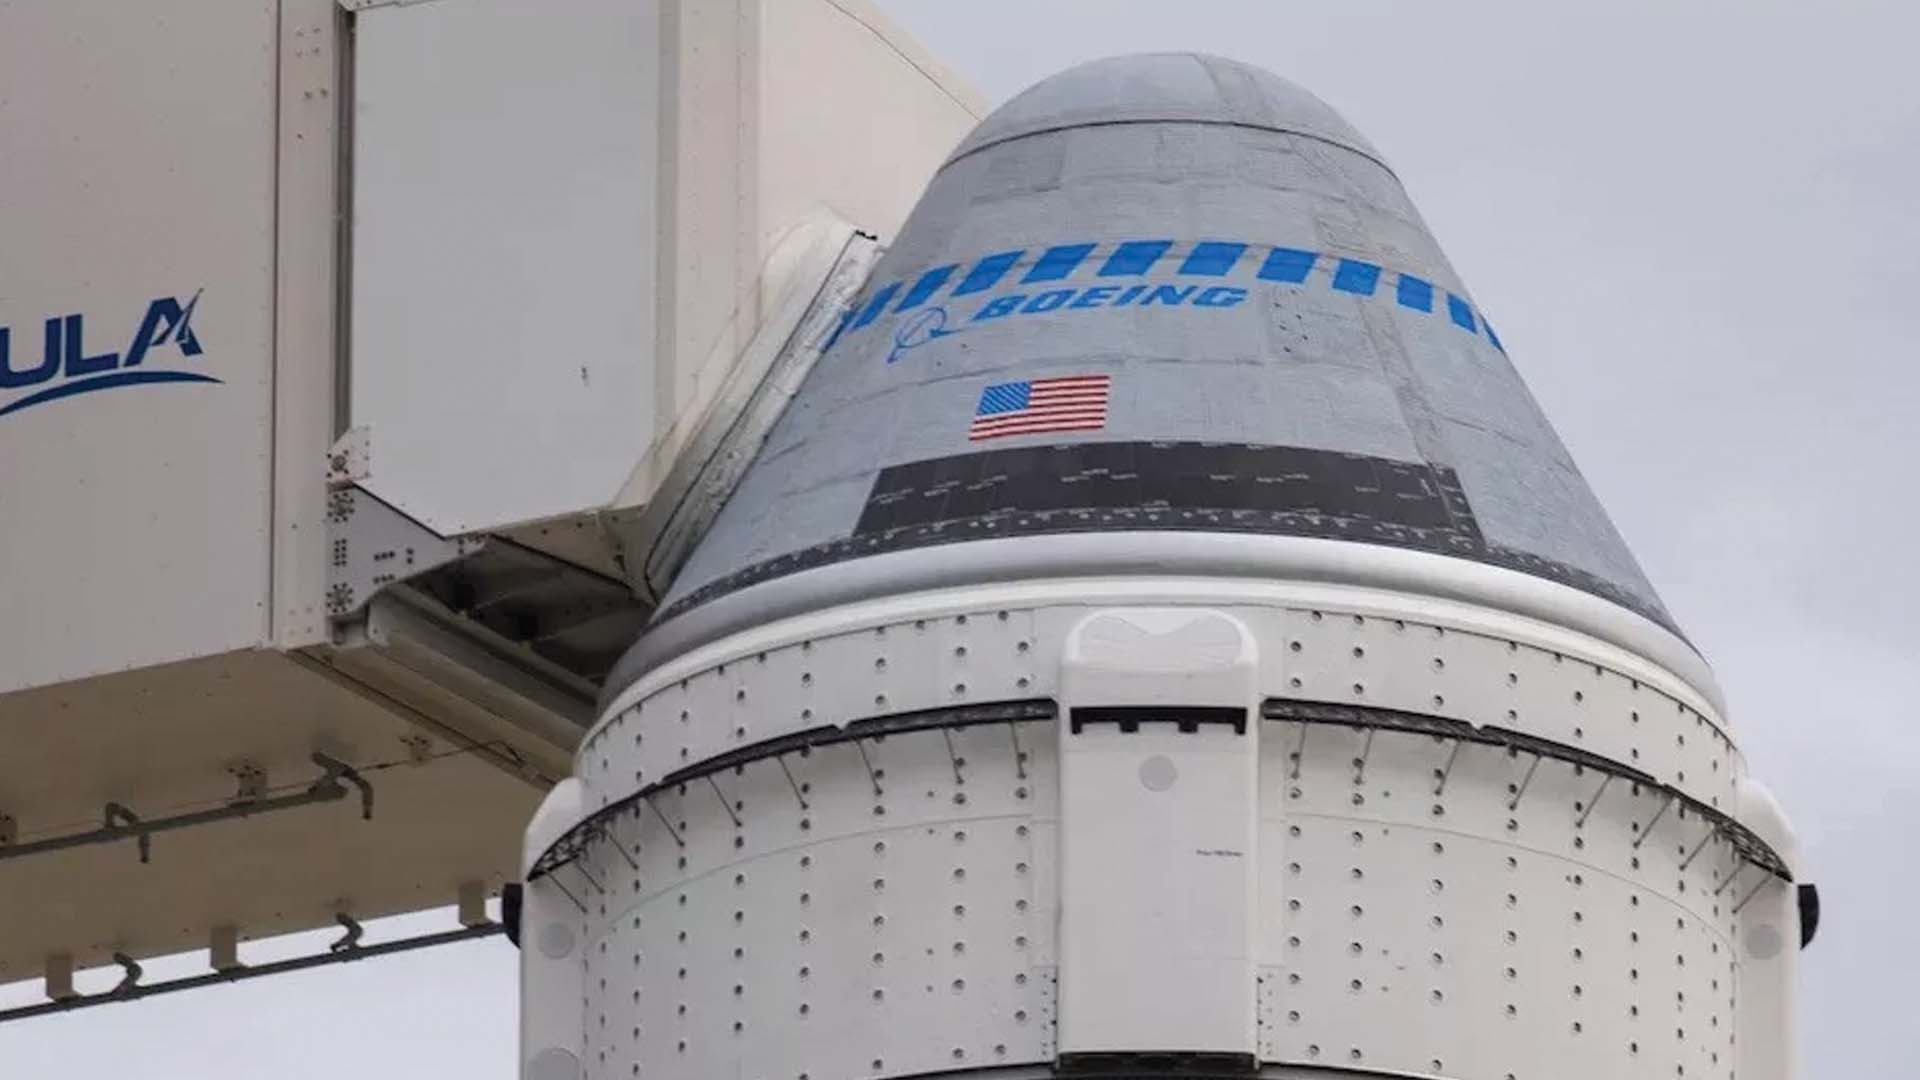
(928,326)
(104,382)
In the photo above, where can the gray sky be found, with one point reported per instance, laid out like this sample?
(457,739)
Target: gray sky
(1698,228)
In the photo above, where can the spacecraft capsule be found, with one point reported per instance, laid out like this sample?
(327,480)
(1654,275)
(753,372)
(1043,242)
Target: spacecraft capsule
(1162,636)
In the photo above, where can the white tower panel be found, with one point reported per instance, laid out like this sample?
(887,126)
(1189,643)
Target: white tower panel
(506,178)
(135,500)
(494,261)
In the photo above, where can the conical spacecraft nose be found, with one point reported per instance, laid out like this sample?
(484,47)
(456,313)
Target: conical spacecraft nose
(1176,308)
(1166,88)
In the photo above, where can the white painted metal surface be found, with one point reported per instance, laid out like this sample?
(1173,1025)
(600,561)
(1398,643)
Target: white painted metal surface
(885,107)
(136,514)
(306,314)
(1158,833)
(549,991)
(1770,939)
(503,253)
(825,108)
(565,264)
(1423,905)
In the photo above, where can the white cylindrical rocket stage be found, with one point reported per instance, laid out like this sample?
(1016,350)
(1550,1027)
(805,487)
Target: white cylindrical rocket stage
(1161,637)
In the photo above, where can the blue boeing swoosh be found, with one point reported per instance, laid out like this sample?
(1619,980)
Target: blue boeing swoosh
(105,382)
(928,326)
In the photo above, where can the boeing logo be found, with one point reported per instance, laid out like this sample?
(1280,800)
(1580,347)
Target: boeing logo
(931,324)
(1046,283)
(67,368)
(928,326)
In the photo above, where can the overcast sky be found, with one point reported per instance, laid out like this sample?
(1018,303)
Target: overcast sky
(1697,226)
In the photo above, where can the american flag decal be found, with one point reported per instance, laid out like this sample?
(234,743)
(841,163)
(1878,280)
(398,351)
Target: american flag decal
(1072,403)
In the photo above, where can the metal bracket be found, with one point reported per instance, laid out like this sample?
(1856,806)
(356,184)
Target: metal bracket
(349,940)
(872,776)
(223,948)
(798,795)
(473,903)
(350,458)
(568,893)
(1712,834)
(570,846)
(581,867)
(1751,893)
(250,782)
(1525,782)
(1442,774)
(1738,867)
(119,823)
(419,749)
(1744,843)
(1652,821)
(953,757)
(1581,822)
(63,999)
(372,545)
(725,803)
(1360,763)
(614,842)
(130,979)
(671,831)
(329,783)
(59,982)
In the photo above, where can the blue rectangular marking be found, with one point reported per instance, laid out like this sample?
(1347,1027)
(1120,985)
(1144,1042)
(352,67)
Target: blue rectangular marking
(987,272)
(1288,264)
(1212,258)
(1357,277)
(1004,398)
(875,306)
(846,320)
(928,284)
(1133,258)
(1057,262)
(1461,314)
(1491,336)
(1415,293)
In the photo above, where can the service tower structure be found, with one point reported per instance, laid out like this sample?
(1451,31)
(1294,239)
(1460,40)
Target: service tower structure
(1161,637)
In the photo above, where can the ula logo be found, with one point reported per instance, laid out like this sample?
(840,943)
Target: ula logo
(66,368)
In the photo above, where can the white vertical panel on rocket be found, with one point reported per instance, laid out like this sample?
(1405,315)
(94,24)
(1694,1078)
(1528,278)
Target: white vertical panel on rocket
(1159,805)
